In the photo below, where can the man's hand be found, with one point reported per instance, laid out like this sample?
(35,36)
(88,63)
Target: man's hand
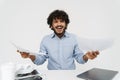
(24,54)
(27,55)
(90,55)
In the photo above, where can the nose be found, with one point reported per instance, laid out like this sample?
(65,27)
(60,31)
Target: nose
(59,23)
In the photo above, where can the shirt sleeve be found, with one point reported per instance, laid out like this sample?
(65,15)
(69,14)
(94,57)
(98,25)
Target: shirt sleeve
(78,54)
(41,56)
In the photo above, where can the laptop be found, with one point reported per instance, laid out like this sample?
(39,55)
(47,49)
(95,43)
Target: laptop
(98,74)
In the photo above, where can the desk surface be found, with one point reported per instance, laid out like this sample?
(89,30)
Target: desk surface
(67,74)
(61,75)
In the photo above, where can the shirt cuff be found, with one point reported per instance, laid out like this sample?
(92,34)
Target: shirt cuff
(82,60)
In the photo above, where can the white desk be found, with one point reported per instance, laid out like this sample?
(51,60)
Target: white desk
(63,74)
(67,75)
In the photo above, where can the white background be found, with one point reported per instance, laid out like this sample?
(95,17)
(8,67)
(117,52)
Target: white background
(24,22)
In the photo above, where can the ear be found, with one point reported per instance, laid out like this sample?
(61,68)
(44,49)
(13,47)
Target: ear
(51,27)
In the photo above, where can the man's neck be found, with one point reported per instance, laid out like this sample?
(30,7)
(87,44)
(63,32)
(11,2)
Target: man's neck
(60,35)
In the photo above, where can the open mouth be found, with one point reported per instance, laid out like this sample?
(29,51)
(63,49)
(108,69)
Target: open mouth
(59,27)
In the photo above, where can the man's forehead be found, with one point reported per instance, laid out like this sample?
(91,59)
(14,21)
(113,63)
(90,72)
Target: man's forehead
(56,19)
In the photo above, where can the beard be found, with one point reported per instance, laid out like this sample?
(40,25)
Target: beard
(59,30)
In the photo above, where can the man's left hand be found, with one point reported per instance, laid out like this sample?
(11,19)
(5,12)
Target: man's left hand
(91,55)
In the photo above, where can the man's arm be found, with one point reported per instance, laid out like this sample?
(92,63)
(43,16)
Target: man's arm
(36,59)
(81,57)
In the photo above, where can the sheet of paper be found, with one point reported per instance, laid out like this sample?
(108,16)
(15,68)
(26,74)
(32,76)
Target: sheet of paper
(25,50)
(21,49)
(87,44)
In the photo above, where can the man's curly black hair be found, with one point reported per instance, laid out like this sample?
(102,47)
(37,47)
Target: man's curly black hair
(58,14)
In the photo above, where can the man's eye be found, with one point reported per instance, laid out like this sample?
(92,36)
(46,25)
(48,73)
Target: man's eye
(62,21)
(55,21)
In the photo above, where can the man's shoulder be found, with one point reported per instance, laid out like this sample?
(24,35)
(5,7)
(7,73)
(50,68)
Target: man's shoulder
(72,34)
(48,36)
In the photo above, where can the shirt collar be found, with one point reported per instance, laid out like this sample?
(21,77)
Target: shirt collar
(66,34)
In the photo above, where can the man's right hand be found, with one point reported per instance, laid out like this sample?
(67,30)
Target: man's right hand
(24,54)
(27,55)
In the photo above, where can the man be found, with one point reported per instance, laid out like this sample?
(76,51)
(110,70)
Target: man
(61,47)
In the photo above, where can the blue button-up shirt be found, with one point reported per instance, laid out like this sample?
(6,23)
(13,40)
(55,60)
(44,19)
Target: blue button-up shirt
(60,52)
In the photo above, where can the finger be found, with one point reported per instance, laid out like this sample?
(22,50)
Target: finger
(21,52)
(97,52)
(94,54)
(24,55)
(18,51)
(90,55)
